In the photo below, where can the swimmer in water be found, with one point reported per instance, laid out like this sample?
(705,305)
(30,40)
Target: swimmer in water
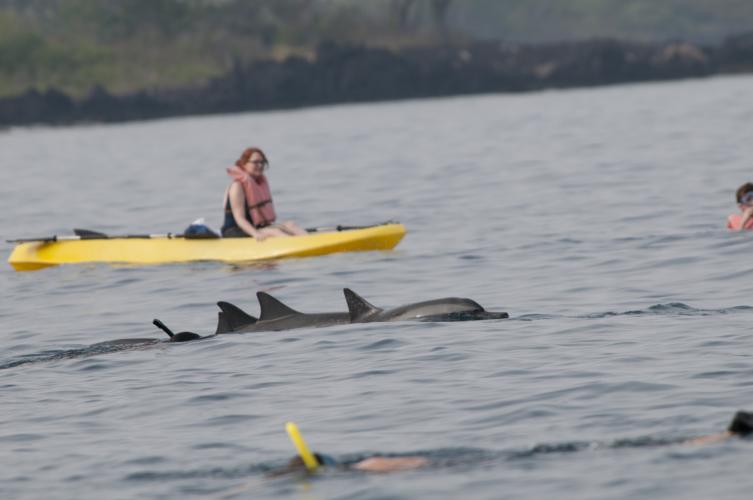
(310,461)
(307,462)
(744,198)
(374,463)
(740,426)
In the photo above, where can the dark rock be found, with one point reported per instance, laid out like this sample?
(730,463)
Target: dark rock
(736,53)
(351,73)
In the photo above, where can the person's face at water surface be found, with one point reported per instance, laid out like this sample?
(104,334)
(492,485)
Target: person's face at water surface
(255,165)
(746,200)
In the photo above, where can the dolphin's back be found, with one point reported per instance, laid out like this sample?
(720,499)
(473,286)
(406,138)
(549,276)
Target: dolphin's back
(276,316)
(300,320)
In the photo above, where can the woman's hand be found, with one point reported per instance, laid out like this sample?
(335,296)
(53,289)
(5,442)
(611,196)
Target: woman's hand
(260,236)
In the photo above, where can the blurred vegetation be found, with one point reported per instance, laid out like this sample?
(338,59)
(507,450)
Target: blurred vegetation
(128,45)
(700,21)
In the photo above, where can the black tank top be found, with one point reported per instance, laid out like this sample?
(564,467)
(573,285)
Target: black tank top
(230,226)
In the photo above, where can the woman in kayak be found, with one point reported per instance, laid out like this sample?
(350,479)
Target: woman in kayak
(744,220)
(248,202)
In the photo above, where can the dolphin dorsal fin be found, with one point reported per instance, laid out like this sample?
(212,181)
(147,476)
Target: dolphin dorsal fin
(358,307)
(232,318)
(222,324)
(271,308)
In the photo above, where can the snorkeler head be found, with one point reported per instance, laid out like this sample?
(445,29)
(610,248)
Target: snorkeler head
(296,463)
(325,460)
(742,191)
(742,423)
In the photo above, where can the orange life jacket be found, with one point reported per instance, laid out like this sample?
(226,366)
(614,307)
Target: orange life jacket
(258,196)
(734,220)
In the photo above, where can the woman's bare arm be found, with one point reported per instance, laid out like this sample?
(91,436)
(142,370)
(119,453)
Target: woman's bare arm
(747,214)
(238,207)
(390,464)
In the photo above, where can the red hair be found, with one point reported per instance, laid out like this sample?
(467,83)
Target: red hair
(246,155)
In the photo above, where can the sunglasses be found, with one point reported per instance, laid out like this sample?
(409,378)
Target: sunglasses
(259,163)
(747,198)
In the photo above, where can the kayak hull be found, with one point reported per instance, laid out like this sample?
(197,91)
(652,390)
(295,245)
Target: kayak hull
(162,250)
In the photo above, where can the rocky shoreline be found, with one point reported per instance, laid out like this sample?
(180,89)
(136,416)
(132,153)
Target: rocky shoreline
(345,73)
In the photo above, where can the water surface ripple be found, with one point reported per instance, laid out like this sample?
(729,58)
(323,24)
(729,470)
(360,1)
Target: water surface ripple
(595,217)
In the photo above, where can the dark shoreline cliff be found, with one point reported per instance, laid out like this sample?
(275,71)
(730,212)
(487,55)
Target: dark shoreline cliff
(347,73)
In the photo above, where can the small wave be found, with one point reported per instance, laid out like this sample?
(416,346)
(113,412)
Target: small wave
(534,317)
(82,352)
(216,472)
(671,309)
(229,420)
(382,344)
(668,309)
(220,396)
(471,257)
(372,373)
(21,438)
(148,460)
(441,458)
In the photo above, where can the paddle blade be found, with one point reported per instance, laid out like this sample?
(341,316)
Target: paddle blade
(88,234)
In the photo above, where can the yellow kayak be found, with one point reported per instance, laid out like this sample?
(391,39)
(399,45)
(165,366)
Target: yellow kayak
(161,249)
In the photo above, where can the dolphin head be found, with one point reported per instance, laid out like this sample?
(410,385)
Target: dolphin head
(451,309)
(445,309)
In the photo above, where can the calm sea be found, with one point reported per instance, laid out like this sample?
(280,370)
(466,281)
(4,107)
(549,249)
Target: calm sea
(595,217)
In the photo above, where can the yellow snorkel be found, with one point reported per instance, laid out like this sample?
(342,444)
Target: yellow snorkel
(309,460)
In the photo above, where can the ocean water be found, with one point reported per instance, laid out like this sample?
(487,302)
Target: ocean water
(595,217)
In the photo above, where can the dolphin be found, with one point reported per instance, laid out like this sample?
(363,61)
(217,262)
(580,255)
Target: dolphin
(447,309)
(274,316)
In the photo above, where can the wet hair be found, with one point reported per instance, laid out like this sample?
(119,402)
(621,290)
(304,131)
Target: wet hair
(296,464)
(745,188)
(321,459)
(742,423)
(325,460)
(293,466)
(248,152)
